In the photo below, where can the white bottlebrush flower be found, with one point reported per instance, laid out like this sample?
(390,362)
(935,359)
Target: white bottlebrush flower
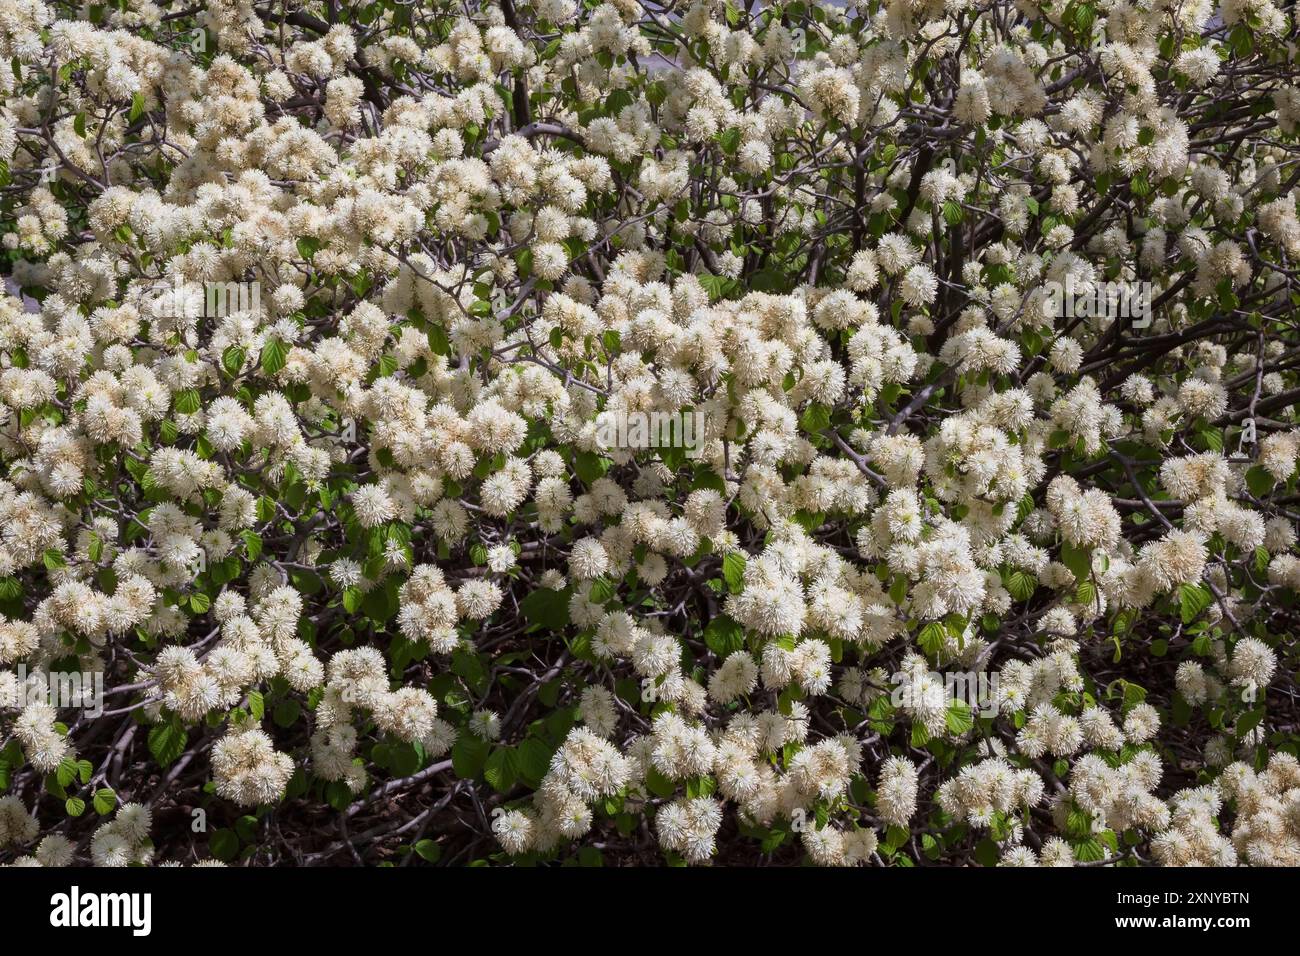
(309,346)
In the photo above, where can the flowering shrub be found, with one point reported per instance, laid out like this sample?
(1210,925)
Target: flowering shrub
(314,313)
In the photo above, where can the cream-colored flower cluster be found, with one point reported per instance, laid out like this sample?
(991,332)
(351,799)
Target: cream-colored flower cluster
(949,355)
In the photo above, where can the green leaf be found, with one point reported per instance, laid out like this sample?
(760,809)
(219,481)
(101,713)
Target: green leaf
(105,801)
(1089,851)
(500,770)
(1259,481)
(337,795)
(546,608)
(1192,600)
(1211,437)
(658,784)
(1078,560)
(930,847)
(469,756)
(932,638)
(1021,585)
(986,853)
(274,355)
(700,787)
(438,341)
(232,360)
(223,844)
(75,806)
(167,741)
(733,571)
(602,591)
(246,828)
(769,280)
(959,717)
(532,760)
(137,107)
(428,850)
(188,402)
(589,466)
(1086,593)
(816,418)
(716,286)
(724,636)
(1248,721)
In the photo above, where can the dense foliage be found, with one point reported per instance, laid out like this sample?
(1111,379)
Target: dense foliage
(312,313)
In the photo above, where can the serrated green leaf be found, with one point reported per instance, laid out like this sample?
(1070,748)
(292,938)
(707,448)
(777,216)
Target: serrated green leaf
(167,742)
(733,571)
(1192,600)
(724,636)
(959,717)
(105,801)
